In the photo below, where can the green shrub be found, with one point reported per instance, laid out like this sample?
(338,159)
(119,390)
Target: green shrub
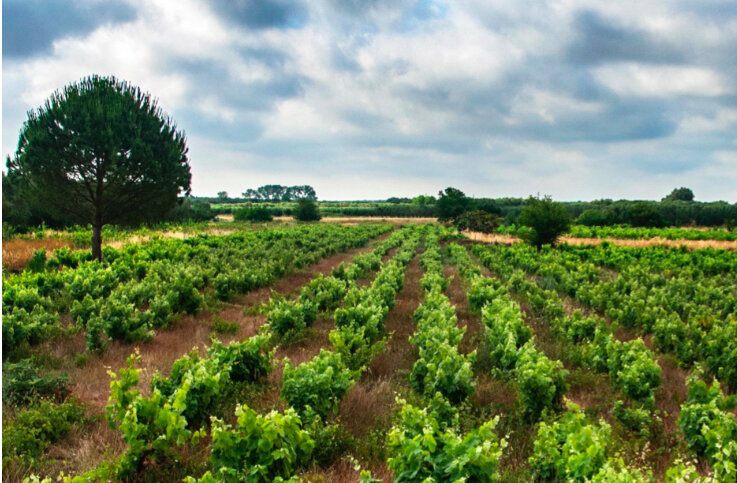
(253,213)
(27,436)
(259,448)
(22,384)
(478,220)
(286,317)
(317,386)
(546,219)
(441,369)
(222,326)
(306,210)
(423,449)
(541,382)
(354,347)
(706,421)
(569,449)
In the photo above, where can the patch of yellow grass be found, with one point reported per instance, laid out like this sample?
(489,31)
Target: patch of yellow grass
(651,242)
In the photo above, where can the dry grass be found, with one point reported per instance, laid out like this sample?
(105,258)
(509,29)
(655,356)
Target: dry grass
(397,360)
(343,471)
(17,253)
(650,242)
(672,392)
(84,448)
(368,404)
(490,392)
(456,293)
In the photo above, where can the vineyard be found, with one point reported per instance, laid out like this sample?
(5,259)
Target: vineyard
(370,353)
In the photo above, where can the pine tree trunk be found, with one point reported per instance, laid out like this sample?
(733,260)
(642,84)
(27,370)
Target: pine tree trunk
(97,239)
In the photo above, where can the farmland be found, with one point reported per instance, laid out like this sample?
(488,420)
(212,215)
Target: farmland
(356,352)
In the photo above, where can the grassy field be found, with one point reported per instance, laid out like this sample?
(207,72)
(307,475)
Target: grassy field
(407,351)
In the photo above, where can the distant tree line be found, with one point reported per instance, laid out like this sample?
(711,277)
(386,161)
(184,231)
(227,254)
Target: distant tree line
(676,209)
(277,192)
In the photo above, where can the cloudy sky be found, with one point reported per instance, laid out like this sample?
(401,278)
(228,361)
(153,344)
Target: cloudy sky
(365,99)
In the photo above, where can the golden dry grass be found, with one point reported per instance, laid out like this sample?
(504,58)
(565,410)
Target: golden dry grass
(17,253)
(650,242)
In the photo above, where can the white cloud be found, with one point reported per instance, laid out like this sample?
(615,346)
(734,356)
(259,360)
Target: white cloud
(662,81)
(376,103)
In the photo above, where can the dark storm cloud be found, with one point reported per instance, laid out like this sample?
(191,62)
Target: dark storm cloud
(220,79)
(262,14)
(600,40)
(31,26)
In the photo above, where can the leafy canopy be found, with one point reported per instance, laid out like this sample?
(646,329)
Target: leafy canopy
(546,219)
(307,210)
(680,194)
(452,203)
(102,151)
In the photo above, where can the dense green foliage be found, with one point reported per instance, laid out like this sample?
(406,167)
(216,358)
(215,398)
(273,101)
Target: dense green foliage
(101,151)
(307,210)
(259,448)
(108,300)
(451,204)
(476,220)
(252,213)
(423,448)
(34,429)
(545,219)
(709,426)
(23,384)
(275,192)
(680,194)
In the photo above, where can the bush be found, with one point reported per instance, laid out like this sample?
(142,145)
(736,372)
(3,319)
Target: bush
(570,449)
(546,219)
(423,449)
(541,382)
(22,384)
(705,419)
(306,210)
(259,448)
(253,213)
(317,386)
(644,214)
(443,370)
(32,431)
(286,317)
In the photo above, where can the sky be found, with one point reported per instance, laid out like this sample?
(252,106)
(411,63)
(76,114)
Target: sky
(367,99)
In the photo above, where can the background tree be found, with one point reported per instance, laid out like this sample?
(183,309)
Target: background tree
(250,194)
(546,219)
(644,213)
(680,194)
(223,195)
(306,210)
(451,203)
(595,217)
(477,220)
(423,200)
(102,151)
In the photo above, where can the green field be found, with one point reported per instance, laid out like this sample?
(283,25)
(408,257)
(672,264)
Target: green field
(325,352)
